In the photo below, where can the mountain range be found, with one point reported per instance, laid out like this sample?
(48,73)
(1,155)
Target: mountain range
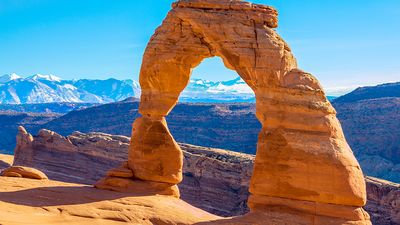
(49,88)
(371,125)
(38,88)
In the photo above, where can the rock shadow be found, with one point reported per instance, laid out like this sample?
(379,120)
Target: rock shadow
(62,195)
(3,164)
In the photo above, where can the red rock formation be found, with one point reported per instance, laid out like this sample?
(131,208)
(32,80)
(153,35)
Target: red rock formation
(25,172)
(47,202)
(383,201)
(303,161)
(214,180)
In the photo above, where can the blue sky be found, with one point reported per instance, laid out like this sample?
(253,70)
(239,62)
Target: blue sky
(343,43)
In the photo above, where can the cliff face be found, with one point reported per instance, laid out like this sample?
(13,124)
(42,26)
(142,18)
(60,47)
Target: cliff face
(383,201)
(214,180)
(10,121)
(371,128)
(228,126)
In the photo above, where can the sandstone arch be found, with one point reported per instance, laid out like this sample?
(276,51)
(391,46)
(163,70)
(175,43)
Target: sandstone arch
(303,161)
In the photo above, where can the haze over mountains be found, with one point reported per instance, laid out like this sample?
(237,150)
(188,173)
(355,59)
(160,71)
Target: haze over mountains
(49,89)
(371,125)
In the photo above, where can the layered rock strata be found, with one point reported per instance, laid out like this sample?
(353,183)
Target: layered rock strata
(214,180)
(383,201)
(303,161)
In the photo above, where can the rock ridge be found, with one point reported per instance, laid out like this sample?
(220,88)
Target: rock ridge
(215,180)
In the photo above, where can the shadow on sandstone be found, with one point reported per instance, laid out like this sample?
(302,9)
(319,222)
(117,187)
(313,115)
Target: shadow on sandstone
(3,164)
(62,195)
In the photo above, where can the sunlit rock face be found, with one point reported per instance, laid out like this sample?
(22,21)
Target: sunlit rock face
(214,180)
(303,161)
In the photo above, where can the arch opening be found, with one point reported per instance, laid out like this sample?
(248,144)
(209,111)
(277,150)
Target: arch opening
(301,142)
(215,113)
(212,82)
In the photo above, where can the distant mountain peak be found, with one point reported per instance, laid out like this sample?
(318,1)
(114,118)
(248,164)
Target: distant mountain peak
(9,77)
(40,88)
(388,90)
(49,77)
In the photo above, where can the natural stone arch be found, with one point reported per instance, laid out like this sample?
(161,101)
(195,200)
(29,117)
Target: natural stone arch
(303,161)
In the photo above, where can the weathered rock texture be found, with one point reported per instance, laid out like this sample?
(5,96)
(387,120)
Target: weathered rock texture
(46,202)
(371,127)
(383,201)
(9,122)
(24,172)
(303,161)
(214,180)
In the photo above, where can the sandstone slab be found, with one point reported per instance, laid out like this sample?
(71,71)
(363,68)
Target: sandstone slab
(137,186)
(26,201)
(25,172)
(215,180)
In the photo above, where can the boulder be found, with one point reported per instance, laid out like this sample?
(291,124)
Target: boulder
(25,172)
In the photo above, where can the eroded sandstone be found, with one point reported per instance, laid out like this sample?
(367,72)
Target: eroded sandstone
(23,171)
(302,155)
(215,180)
(47,202)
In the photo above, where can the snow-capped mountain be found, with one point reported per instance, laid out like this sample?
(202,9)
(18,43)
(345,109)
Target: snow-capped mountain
(8,77)
(41,88)
(50,88)
(200,90)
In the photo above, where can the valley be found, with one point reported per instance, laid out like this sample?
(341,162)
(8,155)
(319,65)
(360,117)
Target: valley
(371,126)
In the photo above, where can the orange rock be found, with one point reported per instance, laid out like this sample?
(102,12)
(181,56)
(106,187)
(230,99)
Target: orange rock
(10,174)
(120,172)
(154,155)
(137,186)
(47,202)
(25,172)
(302,154)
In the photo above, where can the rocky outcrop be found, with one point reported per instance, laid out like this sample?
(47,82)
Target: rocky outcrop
(371,128)
(23,172)
(214,180)
(85,157)
(303,161)
(46,202)
(383,201)
(10,121)
(27,201)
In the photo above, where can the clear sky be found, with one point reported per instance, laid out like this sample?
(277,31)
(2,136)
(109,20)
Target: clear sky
(343,43)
